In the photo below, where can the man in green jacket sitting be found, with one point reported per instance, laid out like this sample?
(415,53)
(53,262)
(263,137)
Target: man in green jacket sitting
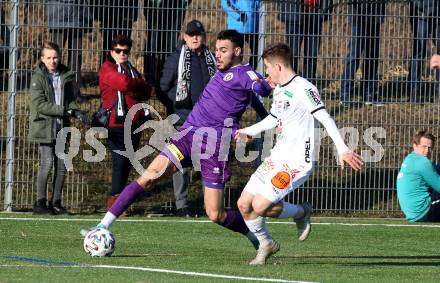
(418,182)
(53,100)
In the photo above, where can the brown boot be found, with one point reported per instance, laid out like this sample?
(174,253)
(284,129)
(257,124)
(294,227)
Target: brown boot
(111,200)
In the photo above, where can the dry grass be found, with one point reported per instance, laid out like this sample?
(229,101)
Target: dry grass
(400,120)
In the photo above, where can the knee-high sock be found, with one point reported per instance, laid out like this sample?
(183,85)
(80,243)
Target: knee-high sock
(128,196)
(291,210)
(259,228)
(234,221)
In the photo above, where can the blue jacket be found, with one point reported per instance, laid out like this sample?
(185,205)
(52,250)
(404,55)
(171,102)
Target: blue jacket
(242,15)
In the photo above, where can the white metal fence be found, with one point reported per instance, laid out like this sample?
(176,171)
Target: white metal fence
(369,60)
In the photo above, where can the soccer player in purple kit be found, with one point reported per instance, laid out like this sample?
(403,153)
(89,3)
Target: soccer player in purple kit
(204,139)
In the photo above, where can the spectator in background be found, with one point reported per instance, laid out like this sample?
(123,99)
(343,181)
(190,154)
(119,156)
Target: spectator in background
(116,18)
(424,19)
(418,182)
(303,21)
(121,87)
(53,94)
(4,43)
(184,76)
(243,16)
(365,20)
(68,20)
(164,20)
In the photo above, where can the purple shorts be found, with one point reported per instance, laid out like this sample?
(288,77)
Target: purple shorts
(202,153)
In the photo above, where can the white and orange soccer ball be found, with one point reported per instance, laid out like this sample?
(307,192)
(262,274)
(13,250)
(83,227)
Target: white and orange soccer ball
(99,242)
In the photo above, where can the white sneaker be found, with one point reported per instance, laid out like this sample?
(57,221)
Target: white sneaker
(303,224)
(264,252)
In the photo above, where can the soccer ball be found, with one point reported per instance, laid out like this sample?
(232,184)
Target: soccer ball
(99,242)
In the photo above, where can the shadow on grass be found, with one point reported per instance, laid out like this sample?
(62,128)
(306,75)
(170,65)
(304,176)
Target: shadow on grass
(411,260)
(142,255)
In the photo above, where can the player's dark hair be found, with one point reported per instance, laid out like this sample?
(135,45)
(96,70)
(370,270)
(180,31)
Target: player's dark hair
(50,46)
(234,36)
(121,40)
(280,51)
(423,134)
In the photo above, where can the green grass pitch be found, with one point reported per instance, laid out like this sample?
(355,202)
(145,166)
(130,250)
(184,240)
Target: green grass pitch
(178,250)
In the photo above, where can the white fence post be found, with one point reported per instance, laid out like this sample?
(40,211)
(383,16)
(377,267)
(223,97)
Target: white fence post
(12,91)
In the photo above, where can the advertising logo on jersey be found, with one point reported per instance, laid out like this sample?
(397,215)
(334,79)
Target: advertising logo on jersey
(288,93)
(175,152)
(228,77)
(281,180)
(313,96)
(264,168)
(307,146)
(279,127)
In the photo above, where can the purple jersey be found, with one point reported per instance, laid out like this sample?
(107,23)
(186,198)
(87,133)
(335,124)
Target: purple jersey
(227,95)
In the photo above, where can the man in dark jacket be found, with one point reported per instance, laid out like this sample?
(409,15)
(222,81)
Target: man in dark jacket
(303,21)
(53,94)
(116,18)
(365,20)
(424,19)
(186,72)
(68,20)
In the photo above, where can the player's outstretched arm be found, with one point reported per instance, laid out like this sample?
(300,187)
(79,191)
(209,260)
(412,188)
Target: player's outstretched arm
(267,123)
(345,154)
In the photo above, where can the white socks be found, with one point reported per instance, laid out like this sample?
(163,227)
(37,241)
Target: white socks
(259,229)
(108,220)
(291,210)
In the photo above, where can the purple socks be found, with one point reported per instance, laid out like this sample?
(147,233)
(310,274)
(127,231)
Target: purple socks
(234,221)
(128,196)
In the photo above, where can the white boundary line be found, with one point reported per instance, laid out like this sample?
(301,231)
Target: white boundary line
(208,221)
(198,274)
(158,270)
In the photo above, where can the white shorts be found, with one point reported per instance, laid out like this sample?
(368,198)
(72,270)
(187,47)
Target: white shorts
(274,181)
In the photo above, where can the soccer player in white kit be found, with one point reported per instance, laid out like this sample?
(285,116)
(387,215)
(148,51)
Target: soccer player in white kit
(296,104)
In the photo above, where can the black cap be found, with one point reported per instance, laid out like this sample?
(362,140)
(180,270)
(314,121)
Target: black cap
(194,27)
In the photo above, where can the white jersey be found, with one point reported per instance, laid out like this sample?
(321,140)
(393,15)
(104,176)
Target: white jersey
(290,162)
(293,106)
